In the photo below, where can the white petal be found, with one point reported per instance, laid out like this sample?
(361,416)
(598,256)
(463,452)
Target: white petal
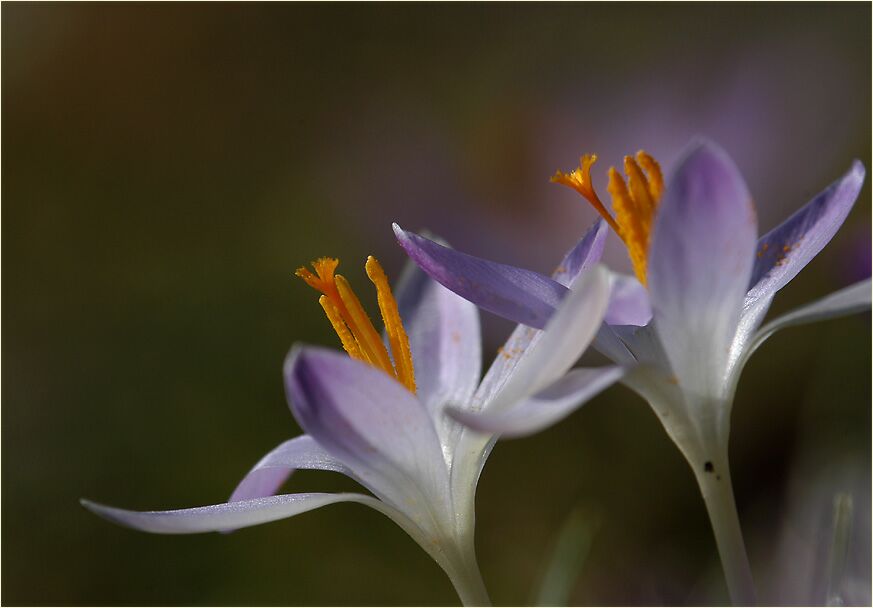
(565,337)
(272,470)
(225,516)
(846,301)
(444,338)
(547,407)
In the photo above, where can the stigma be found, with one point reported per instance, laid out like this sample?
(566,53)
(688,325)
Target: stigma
(634,201)
(352,324)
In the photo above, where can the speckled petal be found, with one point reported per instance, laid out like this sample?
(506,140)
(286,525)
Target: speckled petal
(565,338)
(785,250)
(583,256)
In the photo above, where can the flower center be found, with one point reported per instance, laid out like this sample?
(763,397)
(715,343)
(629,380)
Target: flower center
(634,202)
(351,323)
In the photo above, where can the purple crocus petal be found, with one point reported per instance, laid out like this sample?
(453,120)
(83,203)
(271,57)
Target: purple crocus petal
(272,470)
(583,256)
(224,516)
(785,250)
(700,262)
(370,422)
(444,338)
(628,302)
(561,343)
(544,409)
(521,295)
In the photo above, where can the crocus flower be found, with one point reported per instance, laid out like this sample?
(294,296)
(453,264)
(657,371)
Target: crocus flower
(692,316)
(378,417)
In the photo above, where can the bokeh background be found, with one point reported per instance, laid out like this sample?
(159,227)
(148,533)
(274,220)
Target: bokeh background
(167,167)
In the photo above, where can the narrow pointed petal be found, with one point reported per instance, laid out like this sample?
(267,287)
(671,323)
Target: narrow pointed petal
(521,295)
(700,263)
(544,409)
(563,341)
(268,475)
(583,256)
(224,516)
(371,423)
(849,300)
(444,338)
(785,250)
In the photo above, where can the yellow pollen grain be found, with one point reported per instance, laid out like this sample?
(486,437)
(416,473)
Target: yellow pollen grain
(397,337)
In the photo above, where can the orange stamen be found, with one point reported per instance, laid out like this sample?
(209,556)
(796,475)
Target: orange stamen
(634,202)
(580,181)
(352,324)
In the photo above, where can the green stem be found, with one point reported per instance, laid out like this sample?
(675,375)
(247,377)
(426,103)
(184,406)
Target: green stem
(715,485)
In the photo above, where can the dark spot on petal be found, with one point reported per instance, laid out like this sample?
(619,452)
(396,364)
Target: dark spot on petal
(707,466)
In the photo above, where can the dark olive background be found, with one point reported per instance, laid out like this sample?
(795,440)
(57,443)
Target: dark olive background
(166,167)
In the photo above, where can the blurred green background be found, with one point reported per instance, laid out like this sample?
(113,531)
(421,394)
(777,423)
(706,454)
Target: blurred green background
(167,167)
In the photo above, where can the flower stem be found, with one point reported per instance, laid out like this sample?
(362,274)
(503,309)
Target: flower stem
(467,580)
(715,485)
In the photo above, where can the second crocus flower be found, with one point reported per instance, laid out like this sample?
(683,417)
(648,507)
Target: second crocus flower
(691,317)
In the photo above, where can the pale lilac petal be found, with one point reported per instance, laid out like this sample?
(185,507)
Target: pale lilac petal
(561,343)
(444,338)
(272,470)
(785,250)
(545,408)
(849,300)
(508,357)
(371,423)
(521,295)
(224,516)
(611,345)
(583,256)
(699,265)
(628,302)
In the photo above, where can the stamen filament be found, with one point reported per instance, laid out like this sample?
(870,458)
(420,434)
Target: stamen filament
(580,181)
(393,325)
